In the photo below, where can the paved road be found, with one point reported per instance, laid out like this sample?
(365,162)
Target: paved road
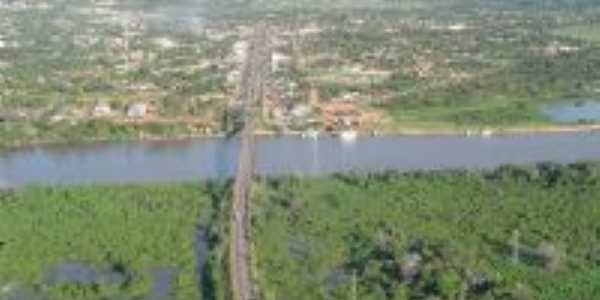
(252,83)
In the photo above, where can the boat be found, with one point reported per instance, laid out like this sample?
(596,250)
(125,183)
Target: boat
(487,133)
(310,134)
(348,135)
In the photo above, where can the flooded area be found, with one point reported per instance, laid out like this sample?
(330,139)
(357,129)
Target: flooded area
(201,251)
(162,283)
(216,157)
(82,274)
(574,111)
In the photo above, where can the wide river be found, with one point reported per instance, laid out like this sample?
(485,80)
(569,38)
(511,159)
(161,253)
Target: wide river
(216,157)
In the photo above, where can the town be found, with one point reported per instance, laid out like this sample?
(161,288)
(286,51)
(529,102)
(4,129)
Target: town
(102,70)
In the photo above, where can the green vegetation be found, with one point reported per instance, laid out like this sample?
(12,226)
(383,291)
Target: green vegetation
(19,133)
(130,229)
(493,113)
(512,233)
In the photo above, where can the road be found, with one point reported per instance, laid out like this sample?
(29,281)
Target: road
(254,76)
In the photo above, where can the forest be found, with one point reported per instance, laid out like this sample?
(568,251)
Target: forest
(515,232)
(510,233)
(109,242)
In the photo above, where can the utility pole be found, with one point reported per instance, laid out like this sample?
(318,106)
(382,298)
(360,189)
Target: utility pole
(516,246)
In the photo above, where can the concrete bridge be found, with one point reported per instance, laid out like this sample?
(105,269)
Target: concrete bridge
(254,77)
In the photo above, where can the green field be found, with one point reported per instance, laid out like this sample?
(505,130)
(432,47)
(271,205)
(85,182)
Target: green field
(431,235)
(131,229)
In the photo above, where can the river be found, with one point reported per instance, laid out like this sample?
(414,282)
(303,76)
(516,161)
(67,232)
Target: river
(216,157)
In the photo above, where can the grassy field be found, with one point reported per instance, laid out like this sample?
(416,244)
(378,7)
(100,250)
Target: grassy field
(493,113)
(131,229)
(512,233)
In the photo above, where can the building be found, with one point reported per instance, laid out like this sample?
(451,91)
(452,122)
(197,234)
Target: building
(165,43)
(279,61)
(101,110)
(340,115)
(137,110)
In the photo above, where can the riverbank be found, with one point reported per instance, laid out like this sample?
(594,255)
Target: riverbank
(510,233)
(15,137)
(494,130)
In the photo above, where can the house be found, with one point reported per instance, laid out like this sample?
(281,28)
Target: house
(300,111)
(314,96)
(338,115)
(240,50)
(57,118)
(101,110)
(311,29)
(457,27)
(165,43)
(233,77)
(137,110)
(279,60)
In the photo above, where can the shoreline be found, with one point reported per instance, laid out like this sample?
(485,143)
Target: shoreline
(491,131)
(481,131)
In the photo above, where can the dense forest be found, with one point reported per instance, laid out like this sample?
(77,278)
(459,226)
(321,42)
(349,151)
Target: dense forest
(110,242)
(511,233)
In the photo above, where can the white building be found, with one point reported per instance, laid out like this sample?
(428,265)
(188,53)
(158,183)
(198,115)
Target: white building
(137,110)
(165,43)
(101,110)
(300,111)
(240,50)
(279,60)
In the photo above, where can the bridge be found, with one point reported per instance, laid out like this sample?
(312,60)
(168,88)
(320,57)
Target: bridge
(255,72)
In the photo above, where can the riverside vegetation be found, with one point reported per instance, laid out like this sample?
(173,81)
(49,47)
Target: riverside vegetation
(128,230)
(511,233)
